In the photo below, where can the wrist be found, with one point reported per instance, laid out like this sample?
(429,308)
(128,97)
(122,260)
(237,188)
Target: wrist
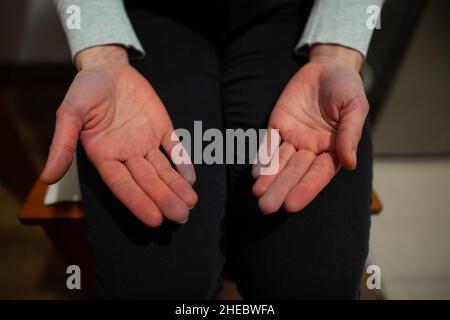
(336,55)
(98,55)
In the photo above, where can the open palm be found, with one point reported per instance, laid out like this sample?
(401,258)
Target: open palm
(121,124)
(320,116)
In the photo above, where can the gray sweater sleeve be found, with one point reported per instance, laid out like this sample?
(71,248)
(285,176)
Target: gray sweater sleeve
(101,22)
(341,22)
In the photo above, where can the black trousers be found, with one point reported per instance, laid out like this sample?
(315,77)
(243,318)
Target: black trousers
(225,63)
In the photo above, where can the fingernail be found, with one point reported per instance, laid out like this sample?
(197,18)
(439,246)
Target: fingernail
(183,221)
(354,158)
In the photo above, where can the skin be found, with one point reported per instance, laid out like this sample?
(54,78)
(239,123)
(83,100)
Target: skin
(122,124)
(320,115)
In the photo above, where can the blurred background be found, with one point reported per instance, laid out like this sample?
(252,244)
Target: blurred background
(407,77)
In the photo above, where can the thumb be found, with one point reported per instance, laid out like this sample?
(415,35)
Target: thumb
(62,149)
(351,123)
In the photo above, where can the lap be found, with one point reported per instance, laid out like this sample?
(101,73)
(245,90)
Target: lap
(315,253)
(320,251)
(173,261)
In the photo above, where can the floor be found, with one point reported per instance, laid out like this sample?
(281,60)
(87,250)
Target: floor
(410,240)
(29,268)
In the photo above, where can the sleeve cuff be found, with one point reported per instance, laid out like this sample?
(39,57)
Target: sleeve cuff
(340,22)
(102,22)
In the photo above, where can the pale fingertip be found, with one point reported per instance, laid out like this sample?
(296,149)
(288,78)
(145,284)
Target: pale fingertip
(267,205)
(258,190)
(349,164)
(189,176)
(48,177)
(292,206)
(44,178)
(192,201)
(187,171)
(347,159)
(191,180)
(154,222)
(184,221)
(186,193)
(256,171)
(354,160)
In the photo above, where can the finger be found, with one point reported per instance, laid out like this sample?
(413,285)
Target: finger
(172,178)
(320,173)
(174,148)
(349,131)
(266,153)
(118,179)
(146,177)
(63,146)
(284,153)
(276,194)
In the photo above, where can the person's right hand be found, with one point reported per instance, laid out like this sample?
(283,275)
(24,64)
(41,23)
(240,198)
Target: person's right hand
(121,123)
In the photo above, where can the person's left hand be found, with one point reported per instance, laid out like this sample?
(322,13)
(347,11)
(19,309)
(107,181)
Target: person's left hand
(320,116)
